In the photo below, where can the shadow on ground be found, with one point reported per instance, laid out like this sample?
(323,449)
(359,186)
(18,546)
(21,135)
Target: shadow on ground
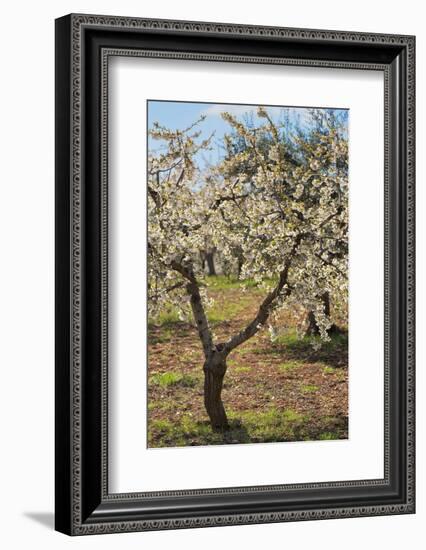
(47,519)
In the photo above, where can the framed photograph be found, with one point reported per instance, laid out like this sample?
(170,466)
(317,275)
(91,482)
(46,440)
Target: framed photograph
(234,274)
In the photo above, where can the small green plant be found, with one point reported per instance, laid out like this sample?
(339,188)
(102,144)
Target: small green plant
(310,388)
(171,378)
(327,436)
(289,365)
(242,369)
(160,336)
(329,370)
(293,416)
(163,405)
(163,426)
(305,345)
(169,316)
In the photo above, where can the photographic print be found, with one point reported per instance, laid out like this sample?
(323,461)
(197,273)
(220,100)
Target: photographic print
(234,274)
(247,273)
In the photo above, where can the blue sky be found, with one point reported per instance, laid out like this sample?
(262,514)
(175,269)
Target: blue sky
(178,115)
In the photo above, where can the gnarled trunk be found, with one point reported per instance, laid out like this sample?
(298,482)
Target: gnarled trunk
(312,328)
(214,371)
(215,355)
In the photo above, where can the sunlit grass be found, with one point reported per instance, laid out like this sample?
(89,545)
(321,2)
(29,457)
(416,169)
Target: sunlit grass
(226,310)
(172,378)
(245,427)
(309,388)
(339,373)
(170,316)
(291,340)
(326,436)
(240,370)
(225,282)
(329,370)
(290,365)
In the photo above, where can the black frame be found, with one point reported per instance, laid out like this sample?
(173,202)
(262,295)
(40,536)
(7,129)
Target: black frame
(83,45)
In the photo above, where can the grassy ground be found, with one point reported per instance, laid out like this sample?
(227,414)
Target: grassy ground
(273,391)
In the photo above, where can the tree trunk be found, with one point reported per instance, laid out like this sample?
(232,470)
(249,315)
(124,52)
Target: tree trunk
(210,263)
(214,371)
(203,260)
(312,327)
(240,260)
(239,266)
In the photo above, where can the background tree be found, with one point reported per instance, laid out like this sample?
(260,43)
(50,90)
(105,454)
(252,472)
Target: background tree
(288,220)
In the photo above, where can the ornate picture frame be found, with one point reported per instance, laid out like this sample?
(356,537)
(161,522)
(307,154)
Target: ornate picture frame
(84,45)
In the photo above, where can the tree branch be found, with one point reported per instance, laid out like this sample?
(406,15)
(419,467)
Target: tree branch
(166,290)
(266,306)
(327,262)
(154,196)
(197,307)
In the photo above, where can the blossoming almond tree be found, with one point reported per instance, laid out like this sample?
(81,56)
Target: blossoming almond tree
(287,214)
